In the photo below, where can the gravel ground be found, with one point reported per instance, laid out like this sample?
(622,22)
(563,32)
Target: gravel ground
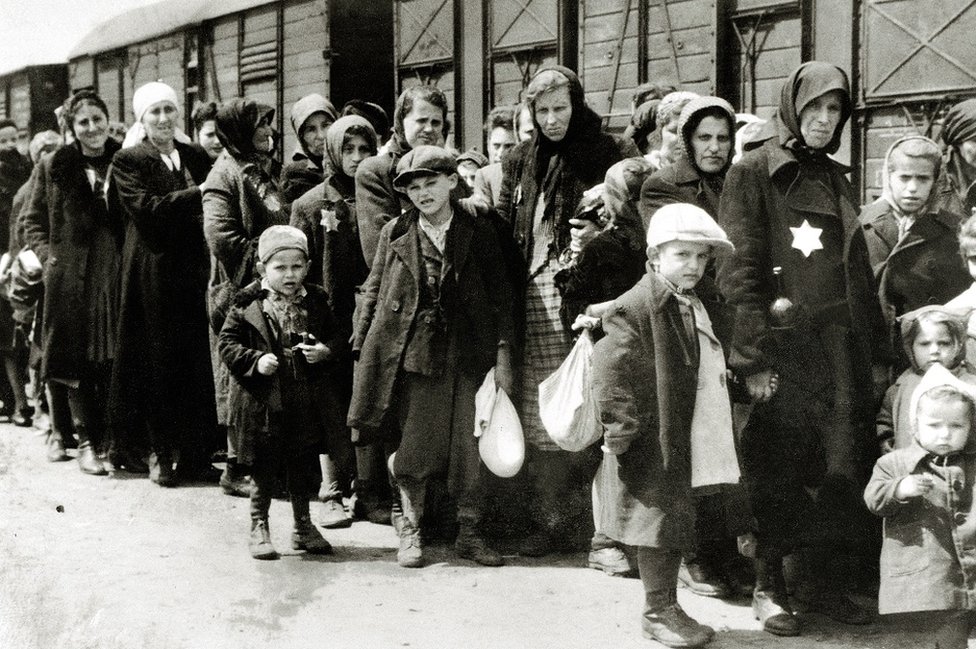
(101,563)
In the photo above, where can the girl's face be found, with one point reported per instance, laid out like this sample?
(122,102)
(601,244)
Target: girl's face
(424,124)
(911,180)
(207,137)
(313,133)
(683,263)
(160,122)
(90,126)
(819,119)
(934,344)
(354,150)
(553,112)
(943,424)
(8,138)
(262,140)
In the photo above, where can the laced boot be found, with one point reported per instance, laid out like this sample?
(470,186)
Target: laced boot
(88,460)
(471,545)
(260,542)
(770,604)
(412,494)
(664,620)
(698,577)
(305,535)
(161,469)
(55,449)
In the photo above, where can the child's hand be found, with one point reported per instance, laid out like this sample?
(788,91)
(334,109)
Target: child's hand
(913,486)
(314,350)
(887,445)
(268,364)
(762,386)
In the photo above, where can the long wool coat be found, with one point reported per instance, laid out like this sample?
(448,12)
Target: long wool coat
(59,222)
(478,307)
(680,182)
(928,556)
(162,372)
(645,378)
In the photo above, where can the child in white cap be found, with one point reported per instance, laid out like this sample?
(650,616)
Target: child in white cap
(279,341)
(660,378)
(925,492)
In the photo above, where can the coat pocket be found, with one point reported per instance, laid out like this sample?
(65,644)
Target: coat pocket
(904,551)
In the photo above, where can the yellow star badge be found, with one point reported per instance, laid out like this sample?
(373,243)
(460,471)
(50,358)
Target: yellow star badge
(806,238)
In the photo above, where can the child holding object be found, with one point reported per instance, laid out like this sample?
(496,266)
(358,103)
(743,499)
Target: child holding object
(277,342)
(435,317)
(925,492)
(661,381)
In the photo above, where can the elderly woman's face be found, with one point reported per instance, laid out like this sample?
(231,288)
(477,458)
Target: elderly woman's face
(967,149)
(160,121)
(819,119)
(553,112)
(313,133)
(262,139)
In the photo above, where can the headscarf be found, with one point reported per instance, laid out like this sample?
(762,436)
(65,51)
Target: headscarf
(886,174)
(937,377)
(809,81)
(336,134)
(621,193)
(642,123)
(142,100)
(237,121)
(305,108)
(687,120)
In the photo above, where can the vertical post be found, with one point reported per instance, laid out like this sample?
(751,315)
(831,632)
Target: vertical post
(569,33)
(280,71)
(469,75)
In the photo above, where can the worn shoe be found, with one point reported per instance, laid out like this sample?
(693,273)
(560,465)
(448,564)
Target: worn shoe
(55,450)
(612,561)
(23,417)
(474,548)
(260,541)
(334,515)
(774,613)
(89,462)
(700,580)
(672,627)
(837,606)
(238,486)
(306,537)
(161,471)
(411,553)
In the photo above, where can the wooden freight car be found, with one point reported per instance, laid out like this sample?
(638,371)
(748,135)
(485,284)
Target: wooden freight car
(274,52)
(30,95)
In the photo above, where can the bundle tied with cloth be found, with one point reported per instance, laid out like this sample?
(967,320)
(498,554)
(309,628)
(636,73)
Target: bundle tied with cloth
(501,443)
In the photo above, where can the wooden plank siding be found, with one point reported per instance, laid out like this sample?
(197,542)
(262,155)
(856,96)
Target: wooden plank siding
(601,65)
(778,43)
(19,109)
(305,70)
(80,73)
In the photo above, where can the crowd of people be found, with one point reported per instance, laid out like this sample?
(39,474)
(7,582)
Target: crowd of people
(774,362)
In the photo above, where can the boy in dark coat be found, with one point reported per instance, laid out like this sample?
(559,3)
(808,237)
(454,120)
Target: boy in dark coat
(282,398)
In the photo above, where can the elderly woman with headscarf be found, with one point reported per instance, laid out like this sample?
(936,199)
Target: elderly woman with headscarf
(327,216)
(241,200)
(66,223)
(162,383)
(311,117)
(816,363)
(957,185)
(543,180)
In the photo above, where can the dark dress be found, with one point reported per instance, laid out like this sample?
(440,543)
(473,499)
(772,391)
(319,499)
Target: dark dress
(162,380)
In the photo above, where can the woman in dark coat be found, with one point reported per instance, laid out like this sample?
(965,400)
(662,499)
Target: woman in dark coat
(162,382)
(327,216)
(543,180)
(311,117)
(806,450)
(956,189)
(241,200)
(66,223)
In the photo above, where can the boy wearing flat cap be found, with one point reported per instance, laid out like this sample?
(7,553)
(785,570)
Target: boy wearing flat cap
(660,378)
(434,319)
(279,342)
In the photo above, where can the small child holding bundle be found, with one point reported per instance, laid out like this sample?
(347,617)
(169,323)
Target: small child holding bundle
(925,492)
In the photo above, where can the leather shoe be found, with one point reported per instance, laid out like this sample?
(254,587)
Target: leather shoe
(672,627)
(239,486)
(89,462)
(334,515)
(411,552)
(306,537)
(260,542)
(697,578)
(774,613)
(469,546)
(612,561)
(55,450)
(161,471)
(22,417)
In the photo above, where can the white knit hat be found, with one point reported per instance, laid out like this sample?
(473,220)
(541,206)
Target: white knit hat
(686,222)
(142,99)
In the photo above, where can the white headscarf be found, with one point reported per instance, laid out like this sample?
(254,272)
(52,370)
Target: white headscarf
(142,100)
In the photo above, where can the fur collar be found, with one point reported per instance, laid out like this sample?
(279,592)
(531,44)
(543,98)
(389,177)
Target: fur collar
(68,160)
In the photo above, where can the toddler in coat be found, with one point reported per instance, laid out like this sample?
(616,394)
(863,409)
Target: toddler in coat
(925,492)
(277,342)
(932,335)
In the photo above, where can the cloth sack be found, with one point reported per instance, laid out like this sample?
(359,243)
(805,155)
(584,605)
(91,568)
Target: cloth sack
(23,281)
(501,443)
(567,406)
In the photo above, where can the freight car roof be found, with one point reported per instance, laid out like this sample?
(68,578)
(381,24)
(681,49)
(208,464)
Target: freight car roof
(143,23)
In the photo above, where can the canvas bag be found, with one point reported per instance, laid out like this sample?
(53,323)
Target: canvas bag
(501,443)
(567,407)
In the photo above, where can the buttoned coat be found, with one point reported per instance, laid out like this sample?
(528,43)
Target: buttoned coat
(479,308)
(922,268)
(677,183)
(928,556)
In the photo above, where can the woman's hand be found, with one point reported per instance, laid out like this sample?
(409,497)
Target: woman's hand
(267,364)
(762,386)
(584,321)
(582,232)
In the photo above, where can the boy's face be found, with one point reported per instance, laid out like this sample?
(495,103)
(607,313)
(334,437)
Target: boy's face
(431,193)
(911,180)
(683,262)
(467,170)
(8,138)
(286,271)
(943,424)
(500,140)
(934,344)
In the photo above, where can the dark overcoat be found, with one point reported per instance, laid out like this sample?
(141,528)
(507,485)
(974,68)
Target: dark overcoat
(245,337)
(479,309)
(162,373)
(645,379)
(923,268)
(928,560)
(677,183)
(60,221)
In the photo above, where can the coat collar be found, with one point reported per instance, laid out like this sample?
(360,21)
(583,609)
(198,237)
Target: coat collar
(404,242)
(880,217)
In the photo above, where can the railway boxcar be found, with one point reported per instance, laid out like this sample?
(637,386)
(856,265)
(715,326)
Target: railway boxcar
(30,95)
